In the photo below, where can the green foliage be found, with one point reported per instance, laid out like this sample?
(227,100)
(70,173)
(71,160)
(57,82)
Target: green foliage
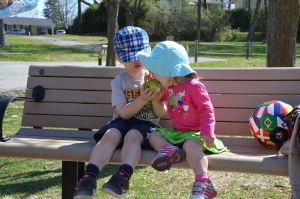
(94,19)
(182,23)
(240,19)
(214,20)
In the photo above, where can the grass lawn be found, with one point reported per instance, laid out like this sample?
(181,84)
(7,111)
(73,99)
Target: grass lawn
(29,178)
(31,50)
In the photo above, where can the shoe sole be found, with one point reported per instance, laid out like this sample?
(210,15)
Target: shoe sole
(110,192)
(83,197)
(177,157)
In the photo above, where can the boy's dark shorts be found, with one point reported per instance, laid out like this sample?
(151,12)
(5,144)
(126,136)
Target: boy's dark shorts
(144,127)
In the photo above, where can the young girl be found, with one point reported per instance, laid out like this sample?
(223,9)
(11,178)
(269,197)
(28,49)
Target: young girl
(13,7)
(191,113)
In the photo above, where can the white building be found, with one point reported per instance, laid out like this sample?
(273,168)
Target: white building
(35,26)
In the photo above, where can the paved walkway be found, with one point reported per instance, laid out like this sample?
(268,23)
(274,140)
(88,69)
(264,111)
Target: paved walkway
(14,74)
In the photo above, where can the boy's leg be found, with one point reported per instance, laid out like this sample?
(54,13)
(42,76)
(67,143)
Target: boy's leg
(202,187)
(168,153)
(106,146)
(132,151)
(118,185)
(87,185)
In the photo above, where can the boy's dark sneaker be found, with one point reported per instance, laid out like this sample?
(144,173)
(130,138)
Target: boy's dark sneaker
(117,185)
(86,188)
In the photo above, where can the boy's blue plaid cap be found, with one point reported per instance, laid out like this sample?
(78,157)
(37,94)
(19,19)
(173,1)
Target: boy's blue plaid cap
(128,41)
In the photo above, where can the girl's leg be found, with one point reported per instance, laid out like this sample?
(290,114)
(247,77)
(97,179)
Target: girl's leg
(168,153)
(202,187)
(195,157)
(157,141)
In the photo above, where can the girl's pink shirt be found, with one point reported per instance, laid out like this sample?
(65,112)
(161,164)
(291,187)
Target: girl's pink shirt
(190,108)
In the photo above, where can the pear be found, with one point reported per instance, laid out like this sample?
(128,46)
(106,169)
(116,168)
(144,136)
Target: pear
(153,84)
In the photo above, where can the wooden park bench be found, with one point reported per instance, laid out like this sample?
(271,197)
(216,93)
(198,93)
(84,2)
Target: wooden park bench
(60,124)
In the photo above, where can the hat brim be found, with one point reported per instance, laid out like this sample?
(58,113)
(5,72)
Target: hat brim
(154,66)
(150,63)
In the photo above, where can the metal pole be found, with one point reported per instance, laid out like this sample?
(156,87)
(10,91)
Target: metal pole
(248,46)
(198,28)
(196,51)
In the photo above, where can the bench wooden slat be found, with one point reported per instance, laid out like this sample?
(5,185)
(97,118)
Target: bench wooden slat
(70,83)
(74,71)
(218,100)
(72,96)
(222,128)
(209,74)
(68,109)
(249,101)
(213,87)
(72,109)
(253,87)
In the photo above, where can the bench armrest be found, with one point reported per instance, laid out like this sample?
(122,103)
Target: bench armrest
(4,102)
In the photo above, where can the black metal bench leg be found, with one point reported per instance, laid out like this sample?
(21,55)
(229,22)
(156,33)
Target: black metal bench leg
(81,168)
(71,172)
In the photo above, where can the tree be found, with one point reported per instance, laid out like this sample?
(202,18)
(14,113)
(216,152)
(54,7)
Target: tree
(254,20)
(2,34)
(131,11)
(112,7)
(60,11)
(282,32)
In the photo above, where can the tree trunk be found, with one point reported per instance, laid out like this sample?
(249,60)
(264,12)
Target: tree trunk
(266,8)
(112,19)
(128,13)
(249,6)
(79,18)
(2,34)
(266,17)
(253,22)
(204,4)
(282,32)
(229,4)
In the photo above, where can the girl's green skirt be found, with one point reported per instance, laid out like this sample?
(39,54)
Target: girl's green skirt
(178,137)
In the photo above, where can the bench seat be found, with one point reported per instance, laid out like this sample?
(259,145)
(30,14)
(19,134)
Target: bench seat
(245,154)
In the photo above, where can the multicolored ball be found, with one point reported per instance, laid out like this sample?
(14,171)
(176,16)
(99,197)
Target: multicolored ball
(269,125)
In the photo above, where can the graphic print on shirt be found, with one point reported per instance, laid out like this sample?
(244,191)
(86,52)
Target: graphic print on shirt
(146,112)
(176,102)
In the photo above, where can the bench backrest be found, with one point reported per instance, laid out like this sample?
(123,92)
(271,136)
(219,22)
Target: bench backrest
(80,97)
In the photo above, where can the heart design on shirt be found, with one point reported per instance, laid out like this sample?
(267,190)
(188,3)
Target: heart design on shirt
(185,107)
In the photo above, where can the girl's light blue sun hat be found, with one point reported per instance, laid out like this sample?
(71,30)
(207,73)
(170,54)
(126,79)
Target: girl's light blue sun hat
(167,59)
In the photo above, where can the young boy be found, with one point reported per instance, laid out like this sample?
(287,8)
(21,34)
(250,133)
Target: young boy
(13,7)
(135,115)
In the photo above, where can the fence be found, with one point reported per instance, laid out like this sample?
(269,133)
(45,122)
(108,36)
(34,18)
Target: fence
(248,46)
